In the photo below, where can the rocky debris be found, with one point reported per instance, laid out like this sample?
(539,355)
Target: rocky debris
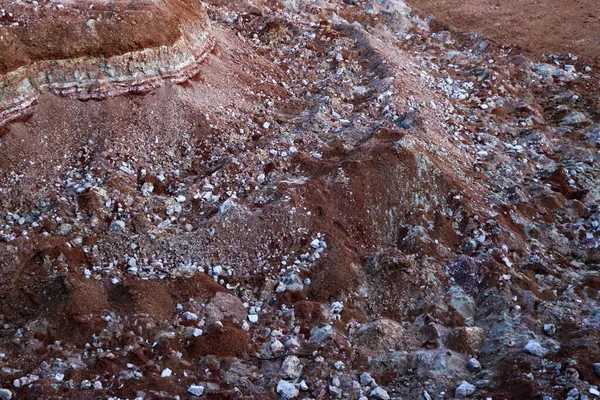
(550,329)
(474,365)
(379,394)
(5,394)
(224,305)
(534,348)
(464,390)
(196,390)
(380,335)
(343,199)
(287,390)
(291,368)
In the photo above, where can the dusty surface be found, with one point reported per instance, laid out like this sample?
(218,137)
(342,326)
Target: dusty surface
(336,200)
(538,26)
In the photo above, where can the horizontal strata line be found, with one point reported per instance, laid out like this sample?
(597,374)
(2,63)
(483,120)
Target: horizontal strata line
(26,83)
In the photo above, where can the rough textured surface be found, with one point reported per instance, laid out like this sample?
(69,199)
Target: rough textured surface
(104,50)
(563,26)
(343,199)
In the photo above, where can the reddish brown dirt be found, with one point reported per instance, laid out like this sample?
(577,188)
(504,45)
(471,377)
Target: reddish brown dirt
(222,341)
(34,40)
(539,26)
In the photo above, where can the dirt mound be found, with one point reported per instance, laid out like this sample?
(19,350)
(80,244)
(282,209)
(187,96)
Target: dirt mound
(289,199)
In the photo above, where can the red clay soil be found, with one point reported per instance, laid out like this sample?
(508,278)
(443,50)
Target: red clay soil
(99,31)
(538,26)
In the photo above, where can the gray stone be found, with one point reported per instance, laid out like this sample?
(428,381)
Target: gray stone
(379,394)
(365,379)
(474,365)
(293,282)
(224,305)
(64,229)
(464,390)
(287,390)
(463,304)
(319,335)
(380,335)
(5,394)
(291,367)
(147,189)
(536,349)
(575,118)
(335,391)
(549,329)
(196,390)
(117,225)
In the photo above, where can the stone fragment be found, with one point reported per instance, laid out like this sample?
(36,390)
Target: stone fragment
(196,390)
(380,335)
(536,349)
(474,365)
(291,367)
(224,305)
(463,304)
(365,379)
(379,394)
(147,189)
(287,390)
(549,329)
(464,390)
(64,229)
(319,335)
(5,394)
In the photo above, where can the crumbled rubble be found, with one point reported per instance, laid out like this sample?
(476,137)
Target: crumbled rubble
(345,201)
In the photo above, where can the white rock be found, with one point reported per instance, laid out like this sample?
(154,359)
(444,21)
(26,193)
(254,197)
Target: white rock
(474,365)
(147,189)
(5,394)
(253,318)
(339,365)
(549,329)
(118,225)
(465,389)
(291,367)
(379,394)
(287,390)
(166,373)
(276,346)
(536,349)
(59,377)
(85,384)
(197,332)
(196,390)
(190,316)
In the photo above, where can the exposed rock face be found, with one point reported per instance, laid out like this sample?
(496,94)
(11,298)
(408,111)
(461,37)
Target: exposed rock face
(93,50)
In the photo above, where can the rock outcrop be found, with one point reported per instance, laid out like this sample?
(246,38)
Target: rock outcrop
(93,50)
